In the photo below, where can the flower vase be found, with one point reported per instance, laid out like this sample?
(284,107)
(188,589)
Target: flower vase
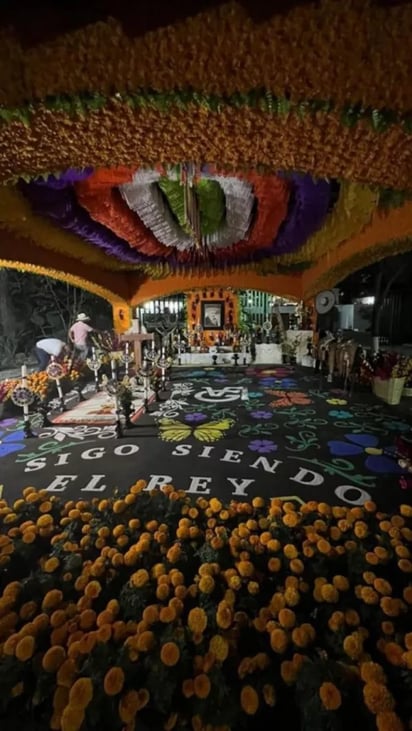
(389,390)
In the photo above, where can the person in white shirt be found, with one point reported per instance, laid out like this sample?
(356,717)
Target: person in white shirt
(78,335)
(47,347)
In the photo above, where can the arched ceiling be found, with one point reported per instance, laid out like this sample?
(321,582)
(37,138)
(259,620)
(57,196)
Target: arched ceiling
(152,151)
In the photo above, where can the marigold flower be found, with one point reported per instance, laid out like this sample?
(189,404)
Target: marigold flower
(224,615)
(290,551)
(352,618)
(405,565)
(145,641)
(394,653)
(301,637)
(407,594)
(292,597)
(273,545)
(353,645)
(371,558)
(81,693)
(269,695)
(197,620)
(291,520)
(329,593)
(170,654)
(128,706)
(336,621)
(72,718)
(377,697)
(92,590)
(167,614)
(25,648)
(52,599)
(382,586)
(53,658)
(297,566)
(219,646)
(287,618)
(249,700)
(371,671)
(206,584)
(253,587)
(51,565)
(369,595)
(323,546)
(288,672)
(113,681)
(188,689)
(360,529)
(202,686)
(390,607)
(274,565)
(245,568)
(330,696)
(279,641)
(388,721)
(139,578)
(66,673)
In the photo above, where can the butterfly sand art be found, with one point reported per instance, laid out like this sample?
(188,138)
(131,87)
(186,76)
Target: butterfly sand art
(171,430)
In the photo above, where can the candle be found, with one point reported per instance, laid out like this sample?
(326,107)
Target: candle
(94,353)
(113,367)
(24,371)
(153,344)
(127,348)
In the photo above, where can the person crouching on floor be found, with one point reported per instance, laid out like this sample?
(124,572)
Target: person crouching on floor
(46,348)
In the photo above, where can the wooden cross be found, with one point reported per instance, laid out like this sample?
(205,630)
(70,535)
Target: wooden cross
(137,339)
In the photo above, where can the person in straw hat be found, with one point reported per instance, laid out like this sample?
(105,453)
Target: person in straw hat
(78,335)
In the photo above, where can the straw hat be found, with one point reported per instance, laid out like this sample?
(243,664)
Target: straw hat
(82,317)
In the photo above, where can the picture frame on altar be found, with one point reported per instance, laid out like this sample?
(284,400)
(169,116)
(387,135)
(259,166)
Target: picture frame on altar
(213,315)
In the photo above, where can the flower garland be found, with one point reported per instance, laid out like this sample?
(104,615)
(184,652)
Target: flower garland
(319,47)
(375,242)
(310,205)
(62,207)
(145,199)
(211,202)
(16,215)
(353,211)
(82,104)
(62,276)
(323,146)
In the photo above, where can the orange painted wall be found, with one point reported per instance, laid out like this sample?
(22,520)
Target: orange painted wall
(280,284)
(212,294)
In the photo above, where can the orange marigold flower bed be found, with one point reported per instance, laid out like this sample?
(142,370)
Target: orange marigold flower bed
(139,623)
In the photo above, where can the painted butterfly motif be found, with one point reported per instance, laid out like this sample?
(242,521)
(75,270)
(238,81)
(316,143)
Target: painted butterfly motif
(171,430)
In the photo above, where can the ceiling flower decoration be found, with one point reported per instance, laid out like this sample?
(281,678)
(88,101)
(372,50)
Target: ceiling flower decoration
(320,47)
(310,206)
(145,199)
(210,197)
(60,205)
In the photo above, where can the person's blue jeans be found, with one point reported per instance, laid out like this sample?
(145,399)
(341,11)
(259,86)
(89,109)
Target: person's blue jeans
(43,358)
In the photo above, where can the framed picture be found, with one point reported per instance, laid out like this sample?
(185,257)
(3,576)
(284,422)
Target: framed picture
(213,315)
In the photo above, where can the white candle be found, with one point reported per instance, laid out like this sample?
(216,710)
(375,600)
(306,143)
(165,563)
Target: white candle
(113,365)
(24,371)
(94,353)
(127,348)
(153,344)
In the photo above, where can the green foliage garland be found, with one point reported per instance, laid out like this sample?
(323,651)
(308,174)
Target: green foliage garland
(211,201)
(81,104)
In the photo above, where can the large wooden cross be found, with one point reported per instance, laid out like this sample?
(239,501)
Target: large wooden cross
(137,339)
